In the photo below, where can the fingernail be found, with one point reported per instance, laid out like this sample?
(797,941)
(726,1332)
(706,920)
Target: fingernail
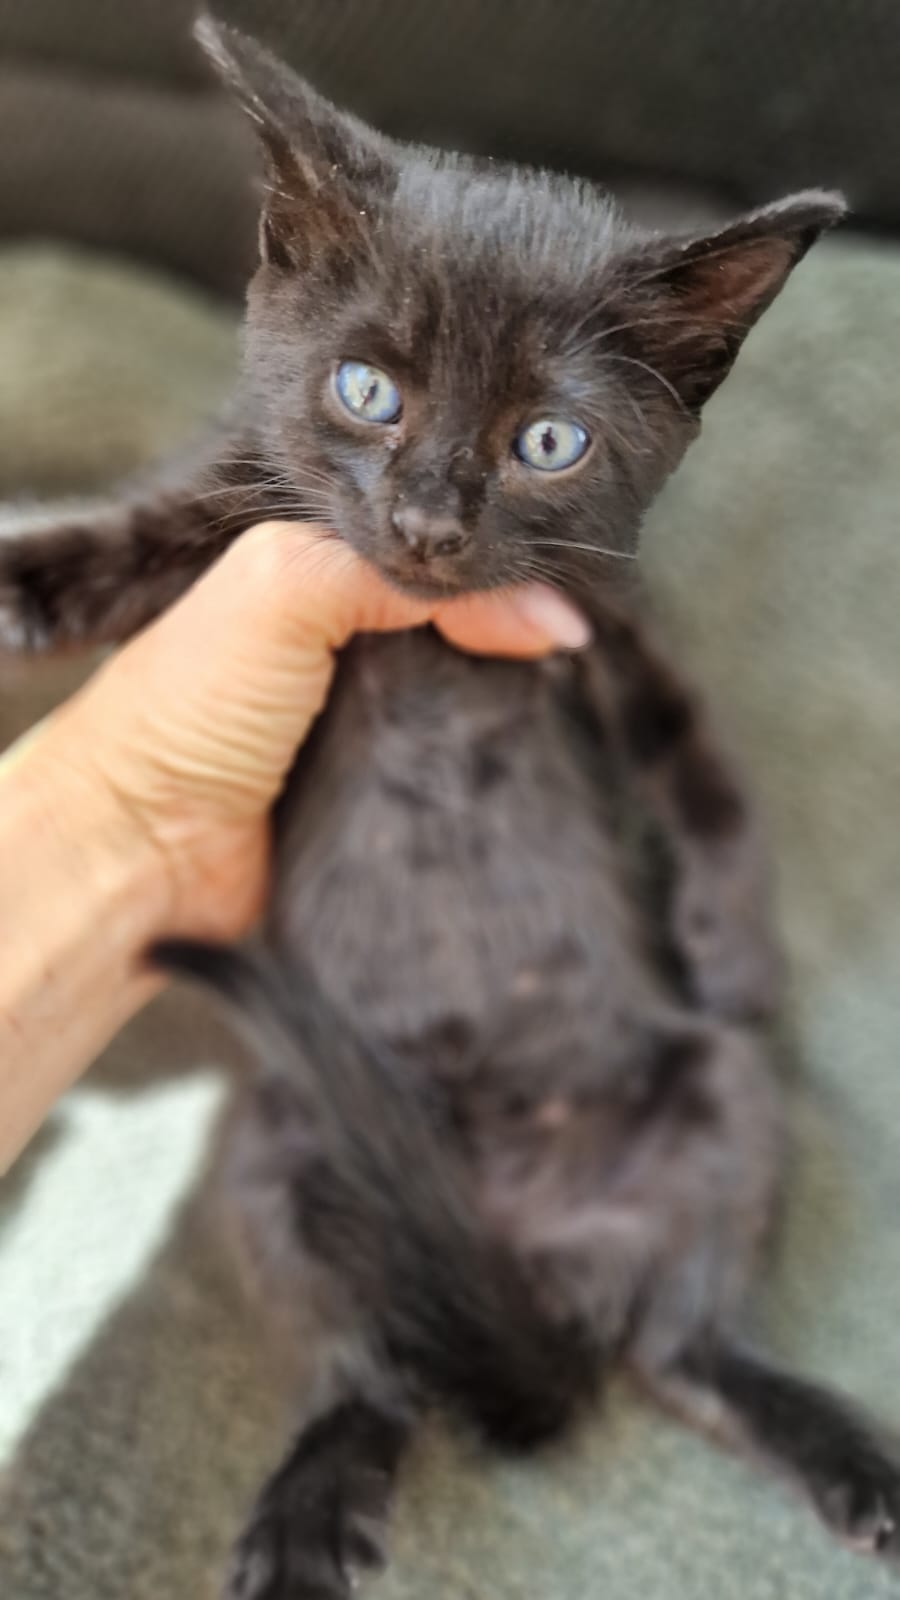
(553,614)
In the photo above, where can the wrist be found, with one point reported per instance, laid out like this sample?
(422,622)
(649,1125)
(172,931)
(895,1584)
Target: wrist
(84,838)
(83,893)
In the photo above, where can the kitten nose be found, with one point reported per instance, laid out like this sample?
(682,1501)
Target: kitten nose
(427,533)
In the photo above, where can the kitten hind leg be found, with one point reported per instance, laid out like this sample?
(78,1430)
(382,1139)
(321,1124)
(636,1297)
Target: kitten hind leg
(812,1434)
(318,1523)
(318,1520)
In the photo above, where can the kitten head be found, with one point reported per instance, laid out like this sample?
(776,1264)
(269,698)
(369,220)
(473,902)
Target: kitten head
(478,374)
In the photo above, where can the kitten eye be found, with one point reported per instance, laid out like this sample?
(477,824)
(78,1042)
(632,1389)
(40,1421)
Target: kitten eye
(368,392)
(551,444)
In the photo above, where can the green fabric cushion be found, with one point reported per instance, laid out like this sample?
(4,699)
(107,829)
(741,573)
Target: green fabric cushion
(138,1407)
(101,368)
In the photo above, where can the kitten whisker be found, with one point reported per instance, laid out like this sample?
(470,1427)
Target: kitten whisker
(262,486)
(589,549)
(277,491)
(633,361)
(628,446)
(244,516)
(259,495)
(728,247)
(668,321)
(668,318)
(267,470)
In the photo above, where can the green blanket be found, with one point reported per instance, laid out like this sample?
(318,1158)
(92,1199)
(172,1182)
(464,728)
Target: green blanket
(137,1407)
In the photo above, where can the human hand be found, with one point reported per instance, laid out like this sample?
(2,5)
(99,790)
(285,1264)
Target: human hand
(192,727)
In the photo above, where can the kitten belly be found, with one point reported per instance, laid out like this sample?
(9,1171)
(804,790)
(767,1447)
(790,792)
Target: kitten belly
(446,868)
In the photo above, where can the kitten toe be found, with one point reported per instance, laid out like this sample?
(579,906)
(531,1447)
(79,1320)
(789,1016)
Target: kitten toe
(312,1552)
(362,1549)
(15,636)
(860,1501)
(266,1566)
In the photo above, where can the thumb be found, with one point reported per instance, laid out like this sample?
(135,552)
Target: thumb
(213,700)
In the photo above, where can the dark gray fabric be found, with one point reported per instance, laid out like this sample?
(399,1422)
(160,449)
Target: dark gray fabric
(759,95)
(74,409)
(751,98)
(143,170)
(147,39)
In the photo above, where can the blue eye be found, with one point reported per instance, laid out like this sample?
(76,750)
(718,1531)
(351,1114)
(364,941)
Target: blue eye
(551,444)
(368,392)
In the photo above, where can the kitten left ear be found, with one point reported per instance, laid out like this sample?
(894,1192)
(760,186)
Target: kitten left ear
(703,295)
(324,167)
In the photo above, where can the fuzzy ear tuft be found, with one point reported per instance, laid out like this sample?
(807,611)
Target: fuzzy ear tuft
(702,295)
(324,169)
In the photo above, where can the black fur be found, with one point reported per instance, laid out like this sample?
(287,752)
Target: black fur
(516,1114)
(449,1302)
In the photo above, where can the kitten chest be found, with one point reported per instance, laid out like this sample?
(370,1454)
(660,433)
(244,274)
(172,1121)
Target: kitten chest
(445,863)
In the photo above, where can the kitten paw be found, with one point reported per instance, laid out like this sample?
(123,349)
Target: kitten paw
(15,636)
(320,1555)
(859,1498)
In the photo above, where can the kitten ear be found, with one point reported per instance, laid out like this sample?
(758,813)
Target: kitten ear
(704,294)
(324,168)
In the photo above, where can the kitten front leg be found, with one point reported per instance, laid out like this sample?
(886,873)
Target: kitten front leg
(720,908)
(93,572)
(318,1523)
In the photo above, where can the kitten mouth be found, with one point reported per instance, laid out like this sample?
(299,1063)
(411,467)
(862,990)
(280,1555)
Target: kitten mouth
(421,584)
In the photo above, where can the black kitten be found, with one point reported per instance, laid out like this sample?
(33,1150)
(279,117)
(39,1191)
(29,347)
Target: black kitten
(516,1116)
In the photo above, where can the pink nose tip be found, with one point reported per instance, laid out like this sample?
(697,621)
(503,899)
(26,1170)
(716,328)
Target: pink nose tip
(427,534)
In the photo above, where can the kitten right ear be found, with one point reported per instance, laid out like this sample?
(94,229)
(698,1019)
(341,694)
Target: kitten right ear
(325,170)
